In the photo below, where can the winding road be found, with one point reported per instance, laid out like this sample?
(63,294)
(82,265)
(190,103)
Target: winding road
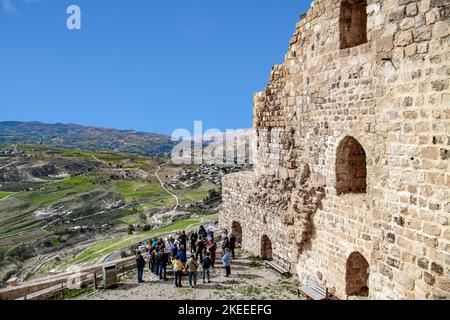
(112,255)
(167,190)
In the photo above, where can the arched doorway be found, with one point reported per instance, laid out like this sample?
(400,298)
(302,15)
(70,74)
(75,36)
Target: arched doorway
(351,167)
(236,230)
(266,248)
(357,275)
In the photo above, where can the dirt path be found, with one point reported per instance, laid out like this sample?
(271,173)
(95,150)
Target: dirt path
(249,280)
(165,189)
(98,160)
(8,165)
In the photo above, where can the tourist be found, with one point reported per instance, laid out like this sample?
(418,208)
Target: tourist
(206,265)
(192,267)
(211,247)
(152,261)
(163,260)
(232,244)
(193,238)
(226,260)
(178,269)
(200,246)
(183,238)
(160,244)
(173,249)
(225,243)
(140,264)
(202,232)
(182,254)
(156,262)
(210,235)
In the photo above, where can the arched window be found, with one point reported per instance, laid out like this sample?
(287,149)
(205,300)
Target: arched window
(351,172)
(353,23)
(266,248)
(357,275)
(236,230)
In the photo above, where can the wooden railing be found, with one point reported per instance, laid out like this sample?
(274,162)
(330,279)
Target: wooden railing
(50,286)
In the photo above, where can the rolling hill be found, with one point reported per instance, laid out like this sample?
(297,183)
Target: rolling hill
(73,136)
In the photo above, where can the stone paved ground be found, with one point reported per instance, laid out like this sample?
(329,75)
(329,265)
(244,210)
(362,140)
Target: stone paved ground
(249,280)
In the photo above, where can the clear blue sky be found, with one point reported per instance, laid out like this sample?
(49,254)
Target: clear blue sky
(150,65)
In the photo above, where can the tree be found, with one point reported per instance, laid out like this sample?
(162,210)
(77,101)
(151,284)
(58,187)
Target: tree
(130,229)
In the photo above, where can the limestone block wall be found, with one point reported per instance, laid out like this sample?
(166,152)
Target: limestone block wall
(352,150)
(255,221)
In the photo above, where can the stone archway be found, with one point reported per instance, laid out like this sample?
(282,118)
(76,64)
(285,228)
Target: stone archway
(266,248)
(351,167)
(357,275)
(236,230)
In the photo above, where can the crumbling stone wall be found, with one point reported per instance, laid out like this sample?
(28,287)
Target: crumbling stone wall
(311,193)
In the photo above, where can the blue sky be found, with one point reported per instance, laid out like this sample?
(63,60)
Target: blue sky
(150,65)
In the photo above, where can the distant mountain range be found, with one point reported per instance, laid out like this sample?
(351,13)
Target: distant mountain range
(73,136)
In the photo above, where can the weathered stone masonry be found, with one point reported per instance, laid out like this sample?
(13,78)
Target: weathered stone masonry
(352,146)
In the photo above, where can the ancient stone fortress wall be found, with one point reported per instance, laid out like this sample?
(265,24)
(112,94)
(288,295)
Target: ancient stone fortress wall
(352,170)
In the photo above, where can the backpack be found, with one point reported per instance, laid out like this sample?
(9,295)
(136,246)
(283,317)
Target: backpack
(207,262)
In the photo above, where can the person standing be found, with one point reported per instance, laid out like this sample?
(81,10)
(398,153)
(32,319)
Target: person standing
(232,244)
(156,262)
(212,248)
(173,249)
(225,243)
(140,265)
(152,261)
(192,267)
(226,260)
(206,265)
(164,260)
(178,269)
(194,238)
(183,238)
(202,232)
(200,249)
(182,254)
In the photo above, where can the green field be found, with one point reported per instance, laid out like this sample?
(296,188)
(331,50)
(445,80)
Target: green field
(56,192)
(137,190)
(166,201)
(198,193)
(131,219)
(4,194)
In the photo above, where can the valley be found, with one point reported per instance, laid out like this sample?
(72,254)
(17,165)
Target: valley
(61,207)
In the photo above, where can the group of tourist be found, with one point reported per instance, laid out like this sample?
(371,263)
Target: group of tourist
(202,256)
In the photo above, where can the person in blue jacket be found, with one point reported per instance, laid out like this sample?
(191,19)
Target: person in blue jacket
(182,254)
(226,260)
(173,249)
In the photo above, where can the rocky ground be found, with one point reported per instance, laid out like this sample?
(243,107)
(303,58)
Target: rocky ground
(250,280)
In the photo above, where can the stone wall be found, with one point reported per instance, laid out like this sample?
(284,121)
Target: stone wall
(352,150)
